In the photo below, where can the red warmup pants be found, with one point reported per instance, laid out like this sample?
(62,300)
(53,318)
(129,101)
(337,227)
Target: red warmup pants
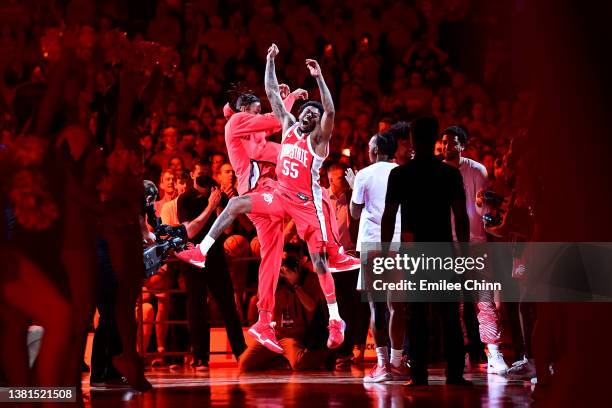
(269,221)
(271,241)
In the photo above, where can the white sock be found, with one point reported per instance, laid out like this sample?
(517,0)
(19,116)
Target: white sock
(206,244)
(382,355)
(493,348)
(396,357)
(333,311)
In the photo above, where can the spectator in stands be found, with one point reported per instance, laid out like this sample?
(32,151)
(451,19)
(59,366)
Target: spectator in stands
(169,138)
(204,197)
(167,190)
(227,180)
(200,167)
(340,198)
(216,161)
(417,97)
(146,142)
(188,142)
(176,165)
(348,299)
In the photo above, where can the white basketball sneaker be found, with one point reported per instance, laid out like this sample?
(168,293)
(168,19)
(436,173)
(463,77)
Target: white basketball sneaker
(496,363)
(522,370)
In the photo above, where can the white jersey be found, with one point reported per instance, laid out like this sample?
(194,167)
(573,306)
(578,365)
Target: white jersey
(370,189)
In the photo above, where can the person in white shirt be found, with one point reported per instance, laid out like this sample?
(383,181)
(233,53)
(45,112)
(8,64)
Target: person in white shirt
(475,180)
(169,213)
(367,204)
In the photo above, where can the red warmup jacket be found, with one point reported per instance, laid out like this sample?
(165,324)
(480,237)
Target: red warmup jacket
(247,147)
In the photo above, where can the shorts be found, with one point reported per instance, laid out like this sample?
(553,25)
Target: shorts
(307,215)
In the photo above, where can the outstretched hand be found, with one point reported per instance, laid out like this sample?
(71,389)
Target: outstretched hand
(313,67)
(215,198)
(349,175)
(148,238)
(272,51)
(301,94)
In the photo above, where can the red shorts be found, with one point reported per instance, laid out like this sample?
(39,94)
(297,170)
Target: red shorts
(307,215)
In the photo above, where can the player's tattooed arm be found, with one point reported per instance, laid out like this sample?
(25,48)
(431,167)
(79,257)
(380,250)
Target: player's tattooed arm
(327,121)
(273,91)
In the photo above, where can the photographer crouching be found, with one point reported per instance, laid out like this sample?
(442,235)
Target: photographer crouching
(300,312)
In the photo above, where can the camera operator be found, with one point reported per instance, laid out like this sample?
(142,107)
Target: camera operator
(203,199)
(159,281)
(162,278)
(107,344)
(106,341)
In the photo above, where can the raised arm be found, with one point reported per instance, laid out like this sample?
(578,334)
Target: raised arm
(327,121)
(194,226)
(273,91)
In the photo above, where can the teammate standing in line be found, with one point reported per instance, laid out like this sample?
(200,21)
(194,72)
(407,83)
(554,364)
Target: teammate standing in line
(367,205)
(475,180)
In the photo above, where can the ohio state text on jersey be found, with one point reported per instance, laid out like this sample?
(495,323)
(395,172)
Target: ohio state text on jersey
(297,172)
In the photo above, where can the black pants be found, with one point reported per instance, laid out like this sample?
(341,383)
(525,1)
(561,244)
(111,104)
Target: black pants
(418,332)
(216,279)
(521,321)
(106,341)
(354,312)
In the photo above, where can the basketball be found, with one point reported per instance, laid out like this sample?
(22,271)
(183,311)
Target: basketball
(256,247)
(236,246)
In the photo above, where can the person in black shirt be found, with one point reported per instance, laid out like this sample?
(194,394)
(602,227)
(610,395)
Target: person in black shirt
(427,190)
(190,205)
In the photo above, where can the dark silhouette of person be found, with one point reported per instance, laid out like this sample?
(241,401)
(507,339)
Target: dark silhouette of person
(427,191)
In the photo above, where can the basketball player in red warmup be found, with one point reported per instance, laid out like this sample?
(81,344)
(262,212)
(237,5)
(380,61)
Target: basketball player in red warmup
(253,158)
(298,193)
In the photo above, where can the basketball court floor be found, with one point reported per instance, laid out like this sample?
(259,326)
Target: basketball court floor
(223,385)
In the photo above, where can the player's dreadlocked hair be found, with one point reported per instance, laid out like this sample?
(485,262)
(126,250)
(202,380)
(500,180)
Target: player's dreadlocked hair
(239,96)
